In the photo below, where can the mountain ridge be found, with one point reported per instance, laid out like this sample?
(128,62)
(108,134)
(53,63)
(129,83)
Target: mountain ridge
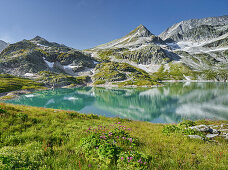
(183,26)
(193,52)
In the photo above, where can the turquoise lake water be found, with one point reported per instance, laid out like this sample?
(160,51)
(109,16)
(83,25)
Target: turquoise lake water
(171,103)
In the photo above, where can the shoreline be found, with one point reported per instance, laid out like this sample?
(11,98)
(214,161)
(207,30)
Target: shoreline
(17,93)
(194,81)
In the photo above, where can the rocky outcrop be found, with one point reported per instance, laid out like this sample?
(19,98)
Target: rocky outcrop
(192,49)
(33,56)
(139,46)
(211,131)
(196,29)
(136,38)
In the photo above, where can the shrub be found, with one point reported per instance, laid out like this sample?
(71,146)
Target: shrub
(170,129)
(112,146)
(2,111)
(187,123)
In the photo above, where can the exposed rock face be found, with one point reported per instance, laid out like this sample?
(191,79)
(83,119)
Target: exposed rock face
(140,46)
(192,49)
(202,45)
(197,29)
(199,44)
(33,56)
(3,45)
(139,36)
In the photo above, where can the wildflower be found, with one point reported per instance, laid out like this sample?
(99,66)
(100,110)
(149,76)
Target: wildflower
(130,139)
(139,160)
(124,137)
(131,158)
(128,161)
(128,158)
(121,158)
(129,129)
(118,122)
(89,165)
(117,137)
(96,147)
(144,163)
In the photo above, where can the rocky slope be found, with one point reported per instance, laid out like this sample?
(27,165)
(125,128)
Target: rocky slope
(202,44)
(195,49)
(197,29)
(28,58)
(139,46)
(198,45)
(3,45)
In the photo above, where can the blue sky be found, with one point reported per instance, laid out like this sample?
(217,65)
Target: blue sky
(84,24)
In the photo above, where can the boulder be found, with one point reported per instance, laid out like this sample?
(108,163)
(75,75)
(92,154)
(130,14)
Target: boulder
(214,131)
(211,135)
(201,128)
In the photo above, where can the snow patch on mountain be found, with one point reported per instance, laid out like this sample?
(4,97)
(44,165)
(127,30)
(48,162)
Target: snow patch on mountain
(50,64)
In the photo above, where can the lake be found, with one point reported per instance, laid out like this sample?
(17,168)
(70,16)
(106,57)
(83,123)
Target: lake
(171,103)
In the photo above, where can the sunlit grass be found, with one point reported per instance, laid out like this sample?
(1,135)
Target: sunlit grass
(42,138)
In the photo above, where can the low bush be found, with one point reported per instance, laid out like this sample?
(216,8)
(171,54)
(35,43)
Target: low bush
(109,146)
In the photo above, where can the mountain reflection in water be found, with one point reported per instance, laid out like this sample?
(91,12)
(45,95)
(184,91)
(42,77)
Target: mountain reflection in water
(171,103)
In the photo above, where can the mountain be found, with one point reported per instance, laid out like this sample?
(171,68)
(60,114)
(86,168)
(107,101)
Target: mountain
(191,49)
(3,45)
(29,58)
(195,49)
(139,36)
(197,29)
(140,46)
(202,44)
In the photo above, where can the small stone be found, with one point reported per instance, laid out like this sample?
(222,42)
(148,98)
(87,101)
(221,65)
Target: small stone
(211,135)
(214,131)
(195,137)
(201,128)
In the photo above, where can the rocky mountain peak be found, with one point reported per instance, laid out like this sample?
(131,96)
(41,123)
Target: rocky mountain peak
(140,31)
(137,37)
(186,30)
(38,39)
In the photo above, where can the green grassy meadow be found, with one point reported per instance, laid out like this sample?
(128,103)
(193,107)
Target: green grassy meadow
(39,138)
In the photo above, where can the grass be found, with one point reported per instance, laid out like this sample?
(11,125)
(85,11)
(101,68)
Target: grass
(50,78)
(11,83)
(122,74)
(38,138)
